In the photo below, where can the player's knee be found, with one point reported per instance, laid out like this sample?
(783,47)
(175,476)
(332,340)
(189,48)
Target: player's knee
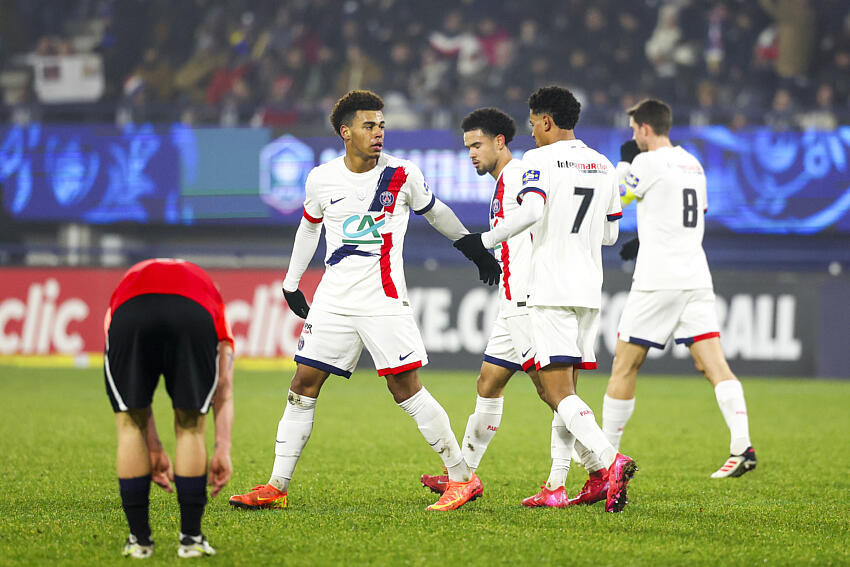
(488,388)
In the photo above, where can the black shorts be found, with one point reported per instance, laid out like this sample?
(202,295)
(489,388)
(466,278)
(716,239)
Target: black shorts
(158,334)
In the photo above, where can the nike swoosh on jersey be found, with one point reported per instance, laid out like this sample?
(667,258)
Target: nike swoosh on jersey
(526,352)
(333,202)
(400,357)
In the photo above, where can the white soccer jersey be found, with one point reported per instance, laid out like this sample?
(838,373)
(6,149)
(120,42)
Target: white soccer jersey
(582,195)
(365,217)
(670,186)
(514,254)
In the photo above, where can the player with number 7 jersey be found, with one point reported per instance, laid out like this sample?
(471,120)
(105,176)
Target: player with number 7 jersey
(583,203)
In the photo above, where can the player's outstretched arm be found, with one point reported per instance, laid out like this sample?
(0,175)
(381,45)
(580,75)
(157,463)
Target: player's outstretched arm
(221,467)
(161,471)
(529,212)
(445,221)
(306,240)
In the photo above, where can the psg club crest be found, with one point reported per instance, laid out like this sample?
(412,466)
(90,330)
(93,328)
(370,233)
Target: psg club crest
(387,199)
(496,207)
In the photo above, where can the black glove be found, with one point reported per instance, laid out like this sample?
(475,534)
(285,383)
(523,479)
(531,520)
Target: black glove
(629,251)
(489,269)
(297,303)
(628,151)
(471,247)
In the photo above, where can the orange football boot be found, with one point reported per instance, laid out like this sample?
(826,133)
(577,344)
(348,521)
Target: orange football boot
(261,496)
(457,494)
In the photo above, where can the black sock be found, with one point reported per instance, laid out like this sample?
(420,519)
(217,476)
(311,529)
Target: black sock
(192,496)
(135,498)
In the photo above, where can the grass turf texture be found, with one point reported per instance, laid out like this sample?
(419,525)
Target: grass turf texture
(356,497)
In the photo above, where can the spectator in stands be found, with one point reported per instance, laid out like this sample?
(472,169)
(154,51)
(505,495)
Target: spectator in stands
(782,112)
(823,115)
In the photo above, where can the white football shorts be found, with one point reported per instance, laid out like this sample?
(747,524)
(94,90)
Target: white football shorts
(565,334)
(333,342)
(510,345)
(651,317)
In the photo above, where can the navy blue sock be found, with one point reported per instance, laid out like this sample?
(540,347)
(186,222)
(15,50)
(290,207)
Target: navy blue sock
(135,498)
(192,496)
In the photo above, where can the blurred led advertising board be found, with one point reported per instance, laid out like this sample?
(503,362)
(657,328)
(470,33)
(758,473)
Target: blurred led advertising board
(759,181)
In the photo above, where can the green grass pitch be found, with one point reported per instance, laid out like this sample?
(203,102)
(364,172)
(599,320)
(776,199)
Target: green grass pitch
(356,497)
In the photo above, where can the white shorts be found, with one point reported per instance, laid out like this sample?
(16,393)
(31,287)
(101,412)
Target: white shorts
(565,334)
(651,317)
(333,342)
(510,344)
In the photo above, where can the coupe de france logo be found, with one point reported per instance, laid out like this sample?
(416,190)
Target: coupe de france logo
(284,166)
(530,175)
(387,199)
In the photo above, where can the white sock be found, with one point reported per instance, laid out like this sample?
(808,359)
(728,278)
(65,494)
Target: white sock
(480,429)
(615,416)
(579,419)
(730,398)
(293,431)
(587,458)
(562,450)
(433,423)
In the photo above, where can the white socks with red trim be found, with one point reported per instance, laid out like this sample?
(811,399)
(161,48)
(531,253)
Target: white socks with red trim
(615,415)
(293,431)
(730,398)
(433,423)
(480,429)
(581,422)
(562,450)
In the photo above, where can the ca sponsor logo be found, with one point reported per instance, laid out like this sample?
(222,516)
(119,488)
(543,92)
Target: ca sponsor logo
(363,229)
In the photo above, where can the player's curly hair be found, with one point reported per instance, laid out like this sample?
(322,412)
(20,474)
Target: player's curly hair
(346,107)
(557,102)
(652,111)
(491,121)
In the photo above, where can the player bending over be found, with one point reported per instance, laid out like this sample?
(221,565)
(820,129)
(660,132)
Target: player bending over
(363,200)
(167,317)
(672,292)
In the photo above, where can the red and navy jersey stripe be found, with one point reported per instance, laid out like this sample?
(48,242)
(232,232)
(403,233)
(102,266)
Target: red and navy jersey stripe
(386,196)
(497,212)
(386,193)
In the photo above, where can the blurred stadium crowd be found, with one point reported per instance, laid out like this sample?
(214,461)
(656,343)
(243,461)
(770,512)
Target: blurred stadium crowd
(781,63)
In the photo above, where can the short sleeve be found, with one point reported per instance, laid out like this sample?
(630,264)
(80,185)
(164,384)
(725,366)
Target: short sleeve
(615,208)
(642,176)
(420,197)
(533,177)
(312,206)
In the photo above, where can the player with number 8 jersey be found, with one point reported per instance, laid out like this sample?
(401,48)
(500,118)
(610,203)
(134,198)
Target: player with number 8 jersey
(671,294)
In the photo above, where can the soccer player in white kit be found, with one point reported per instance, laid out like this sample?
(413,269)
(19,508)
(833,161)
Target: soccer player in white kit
(363,200)
(672,292)
(513,210)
